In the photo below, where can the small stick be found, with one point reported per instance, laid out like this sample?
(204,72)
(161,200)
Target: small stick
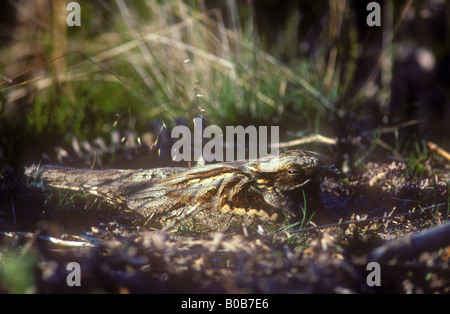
(54,240)
(438,150)
(413,245)
(310,139)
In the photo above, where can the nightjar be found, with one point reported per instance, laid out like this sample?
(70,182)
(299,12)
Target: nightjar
(216,197)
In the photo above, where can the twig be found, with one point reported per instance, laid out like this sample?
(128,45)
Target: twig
(53,240)
(310,139)
(438,150)
(389,129)
(413,245)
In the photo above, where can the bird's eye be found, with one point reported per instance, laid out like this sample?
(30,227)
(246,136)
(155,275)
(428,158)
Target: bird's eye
(293,172)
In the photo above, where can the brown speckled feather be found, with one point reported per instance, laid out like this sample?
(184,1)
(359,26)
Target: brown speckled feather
(216,197)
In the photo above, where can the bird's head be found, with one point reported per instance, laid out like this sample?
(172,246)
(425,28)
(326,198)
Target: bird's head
(293,170)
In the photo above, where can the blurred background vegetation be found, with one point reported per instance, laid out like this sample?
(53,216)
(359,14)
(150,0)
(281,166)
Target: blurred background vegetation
(133,69)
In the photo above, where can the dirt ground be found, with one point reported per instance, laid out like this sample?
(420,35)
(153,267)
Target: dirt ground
(117,253)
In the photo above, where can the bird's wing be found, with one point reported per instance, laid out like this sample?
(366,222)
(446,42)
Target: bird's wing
(207,187)
(113,185)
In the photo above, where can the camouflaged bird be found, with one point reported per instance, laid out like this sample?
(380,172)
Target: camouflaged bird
(216,197)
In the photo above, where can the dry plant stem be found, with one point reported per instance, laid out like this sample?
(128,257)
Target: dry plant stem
(56,241)
(315,138)
(439,150)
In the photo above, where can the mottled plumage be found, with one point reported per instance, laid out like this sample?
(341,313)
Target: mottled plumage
(217,197)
